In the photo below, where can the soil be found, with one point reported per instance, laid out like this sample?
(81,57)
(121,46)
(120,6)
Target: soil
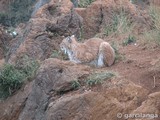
(138,66)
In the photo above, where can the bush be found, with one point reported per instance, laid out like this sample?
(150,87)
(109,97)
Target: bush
(119,25)
(154,34)
(4,19)
(13,76)
(28,66)
(55,54)
(19,12)
(10,80)
(98,78)
(75,84)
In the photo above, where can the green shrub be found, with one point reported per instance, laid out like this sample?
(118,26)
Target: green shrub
(154,34)
(10,80)
(98,78)
(75,84)
(27,65)
(84,3)
(119,25)
(154,12)
(19,11)
(4,19)
(59,55)
(55,54)
(13,76)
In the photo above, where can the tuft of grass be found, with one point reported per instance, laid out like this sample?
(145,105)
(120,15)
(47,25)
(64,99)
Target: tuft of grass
(84,3)
(75,84)
(119,25)
(55,54)
(59,55)
(154,12)
(129,40)
(28,66)
(118,56)
(12,77)
(154,34)
(98,78)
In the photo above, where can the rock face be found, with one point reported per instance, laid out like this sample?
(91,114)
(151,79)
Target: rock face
(37,41)
(101,13)
(51,97)
(93,106)
(45,29)
(53,77)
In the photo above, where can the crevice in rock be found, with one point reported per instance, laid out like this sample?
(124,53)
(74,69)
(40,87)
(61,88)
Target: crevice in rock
(101,16)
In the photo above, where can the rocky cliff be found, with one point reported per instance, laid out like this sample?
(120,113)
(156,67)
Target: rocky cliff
(59,90)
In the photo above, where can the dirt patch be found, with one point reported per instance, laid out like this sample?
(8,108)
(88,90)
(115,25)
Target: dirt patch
(136,66)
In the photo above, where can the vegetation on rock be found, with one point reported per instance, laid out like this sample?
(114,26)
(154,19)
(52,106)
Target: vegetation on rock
(13,76)
(153,35)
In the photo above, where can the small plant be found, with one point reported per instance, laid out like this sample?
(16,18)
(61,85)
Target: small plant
(11,79)
(154,12)
(84,3)
(13,76)
(28,66)
(118,56)
(129,40)
(98,78)
(59,55)
(119,25)
(55,54)
(75,84)
(154,34)
(92,82)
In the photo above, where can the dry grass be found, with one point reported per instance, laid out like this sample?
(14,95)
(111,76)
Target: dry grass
(153,36)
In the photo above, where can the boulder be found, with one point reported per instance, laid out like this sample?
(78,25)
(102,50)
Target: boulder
(101,13)
(53,77)
(43,32)
(51,96)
